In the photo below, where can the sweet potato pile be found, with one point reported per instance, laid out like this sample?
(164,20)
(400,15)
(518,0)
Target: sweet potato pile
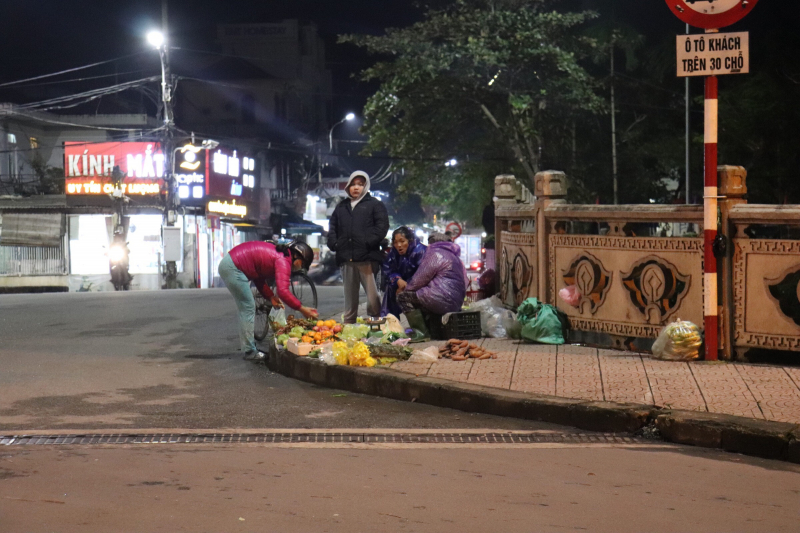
(458,350)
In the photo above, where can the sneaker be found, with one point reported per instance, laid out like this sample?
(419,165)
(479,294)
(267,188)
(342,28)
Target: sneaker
(254,356)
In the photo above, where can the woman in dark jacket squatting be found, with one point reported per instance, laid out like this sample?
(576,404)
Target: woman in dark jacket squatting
(400,265)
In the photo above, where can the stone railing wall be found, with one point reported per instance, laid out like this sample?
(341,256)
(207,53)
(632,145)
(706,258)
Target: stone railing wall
(638,267)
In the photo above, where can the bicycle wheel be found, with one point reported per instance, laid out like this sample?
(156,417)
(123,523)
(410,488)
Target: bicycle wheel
(261,322)
(304,290)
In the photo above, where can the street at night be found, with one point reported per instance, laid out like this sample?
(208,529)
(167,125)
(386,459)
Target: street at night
(449,266)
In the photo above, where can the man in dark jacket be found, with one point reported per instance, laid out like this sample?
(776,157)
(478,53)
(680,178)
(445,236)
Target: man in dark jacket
(357,227)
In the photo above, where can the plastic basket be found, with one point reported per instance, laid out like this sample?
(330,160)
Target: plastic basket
(464,325)
(474,296)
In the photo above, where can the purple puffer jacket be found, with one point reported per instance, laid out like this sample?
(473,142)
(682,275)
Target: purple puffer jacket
(441,279)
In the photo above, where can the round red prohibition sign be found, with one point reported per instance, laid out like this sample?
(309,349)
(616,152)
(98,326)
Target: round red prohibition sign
(711,14)
(455,229)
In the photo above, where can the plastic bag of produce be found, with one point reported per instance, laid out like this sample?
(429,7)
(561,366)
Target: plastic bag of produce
(428,355)
(392,325)
(354,332)
(326,354)
(570,295)
(678,341)
(277,316)
(496,320)
(540,322)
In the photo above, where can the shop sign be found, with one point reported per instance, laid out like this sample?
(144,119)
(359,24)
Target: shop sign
(713,54)
(190,173)
(227,208)
(231,182)
(231,175)
(88,167)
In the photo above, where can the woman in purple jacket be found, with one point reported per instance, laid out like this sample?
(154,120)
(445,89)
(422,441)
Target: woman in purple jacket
(400,266)
(440,283)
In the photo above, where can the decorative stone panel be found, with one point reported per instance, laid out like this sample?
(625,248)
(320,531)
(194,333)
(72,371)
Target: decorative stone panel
(651,281)
(517,267)
(766,293)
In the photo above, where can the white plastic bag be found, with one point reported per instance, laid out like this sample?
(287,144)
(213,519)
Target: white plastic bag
(428,355)
(496,320)
(392,325)
(277,316)
(326,354)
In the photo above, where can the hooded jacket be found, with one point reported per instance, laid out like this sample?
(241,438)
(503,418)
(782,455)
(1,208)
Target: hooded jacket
(397,267)
(261,262)
(441,279)
(355,233)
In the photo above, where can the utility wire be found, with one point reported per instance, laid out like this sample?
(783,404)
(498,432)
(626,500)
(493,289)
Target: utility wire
(64,123)
(7,84)
(87,95)
(73,80)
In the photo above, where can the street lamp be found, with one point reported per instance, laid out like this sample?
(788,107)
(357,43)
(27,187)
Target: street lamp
(156,39)
(347,118)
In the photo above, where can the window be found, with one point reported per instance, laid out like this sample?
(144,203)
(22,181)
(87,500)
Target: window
(34,142)
(12,139)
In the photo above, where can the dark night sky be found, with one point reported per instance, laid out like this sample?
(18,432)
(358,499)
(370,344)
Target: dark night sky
(42,36)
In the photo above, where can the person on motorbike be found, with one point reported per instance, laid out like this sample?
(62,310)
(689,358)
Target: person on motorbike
(260,262)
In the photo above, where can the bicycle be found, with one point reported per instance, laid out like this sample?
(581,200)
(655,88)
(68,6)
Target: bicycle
(303,289)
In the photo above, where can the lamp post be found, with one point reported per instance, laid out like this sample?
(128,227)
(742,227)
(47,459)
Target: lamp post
(347,118)
(158,40)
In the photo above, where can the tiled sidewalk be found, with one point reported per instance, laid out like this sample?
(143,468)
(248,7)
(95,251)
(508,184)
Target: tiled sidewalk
(763,392)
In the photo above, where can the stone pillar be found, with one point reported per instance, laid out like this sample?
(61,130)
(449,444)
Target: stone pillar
(551,187)
(732,183)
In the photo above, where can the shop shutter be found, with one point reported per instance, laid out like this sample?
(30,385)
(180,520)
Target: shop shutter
(25,229)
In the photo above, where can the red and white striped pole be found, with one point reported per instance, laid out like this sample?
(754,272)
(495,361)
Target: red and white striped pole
(710,219)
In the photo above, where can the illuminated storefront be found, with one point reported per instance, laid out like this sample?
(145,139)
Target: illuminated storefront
(88,167)
(216,188)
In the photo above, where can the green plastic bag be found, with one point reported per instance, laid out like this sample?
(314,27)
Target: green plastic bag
(540,322)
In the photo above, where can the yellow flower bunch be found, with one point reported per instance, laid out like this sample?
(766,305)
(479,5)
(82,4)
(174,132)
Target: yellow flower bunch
(359,356)
(341,352)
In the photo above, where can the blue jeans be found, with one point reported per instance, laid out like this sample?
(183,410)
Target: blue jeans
(239,287)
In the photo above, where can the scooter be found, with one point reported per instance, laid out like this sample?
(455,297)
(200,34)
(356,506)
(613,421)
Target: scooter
(118,260)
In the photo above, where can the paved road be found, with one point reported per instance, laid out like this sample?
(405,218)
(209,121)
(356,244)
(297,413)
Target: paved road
(168,359)
(351,488)
(133,362)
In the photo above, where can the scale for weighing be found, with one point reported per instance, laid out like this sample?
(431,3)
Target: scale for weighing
(375,323)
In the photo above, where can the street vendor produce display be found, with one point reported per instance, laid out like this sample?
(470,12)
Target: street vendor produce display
(308,331)
(459,350)
(351,344)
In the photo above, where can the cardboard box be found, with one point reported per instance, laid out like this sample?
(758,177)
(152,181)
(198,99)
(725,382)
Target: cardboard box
(299,348)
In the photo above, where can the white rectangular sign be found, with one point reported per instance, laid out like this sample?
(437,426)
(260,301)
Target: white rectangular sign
(713,54)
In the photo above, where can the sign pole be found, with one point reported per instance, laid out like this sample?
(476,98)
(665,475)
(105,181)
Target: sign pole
(710,218)
(710,56)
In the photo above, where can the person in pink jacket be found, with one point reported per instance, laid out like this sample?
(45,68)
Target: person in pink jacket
(261,262)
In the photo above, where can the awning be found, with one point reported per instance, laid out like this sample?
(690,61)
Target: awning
(253,228)
(296,225)
(302,228)
(32,229)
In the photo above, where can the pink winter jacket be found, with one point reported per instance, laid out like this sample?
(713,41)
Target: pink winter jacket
(260,262)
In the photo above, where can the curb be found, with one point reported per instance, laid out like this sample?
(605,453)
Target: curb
(759,438)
